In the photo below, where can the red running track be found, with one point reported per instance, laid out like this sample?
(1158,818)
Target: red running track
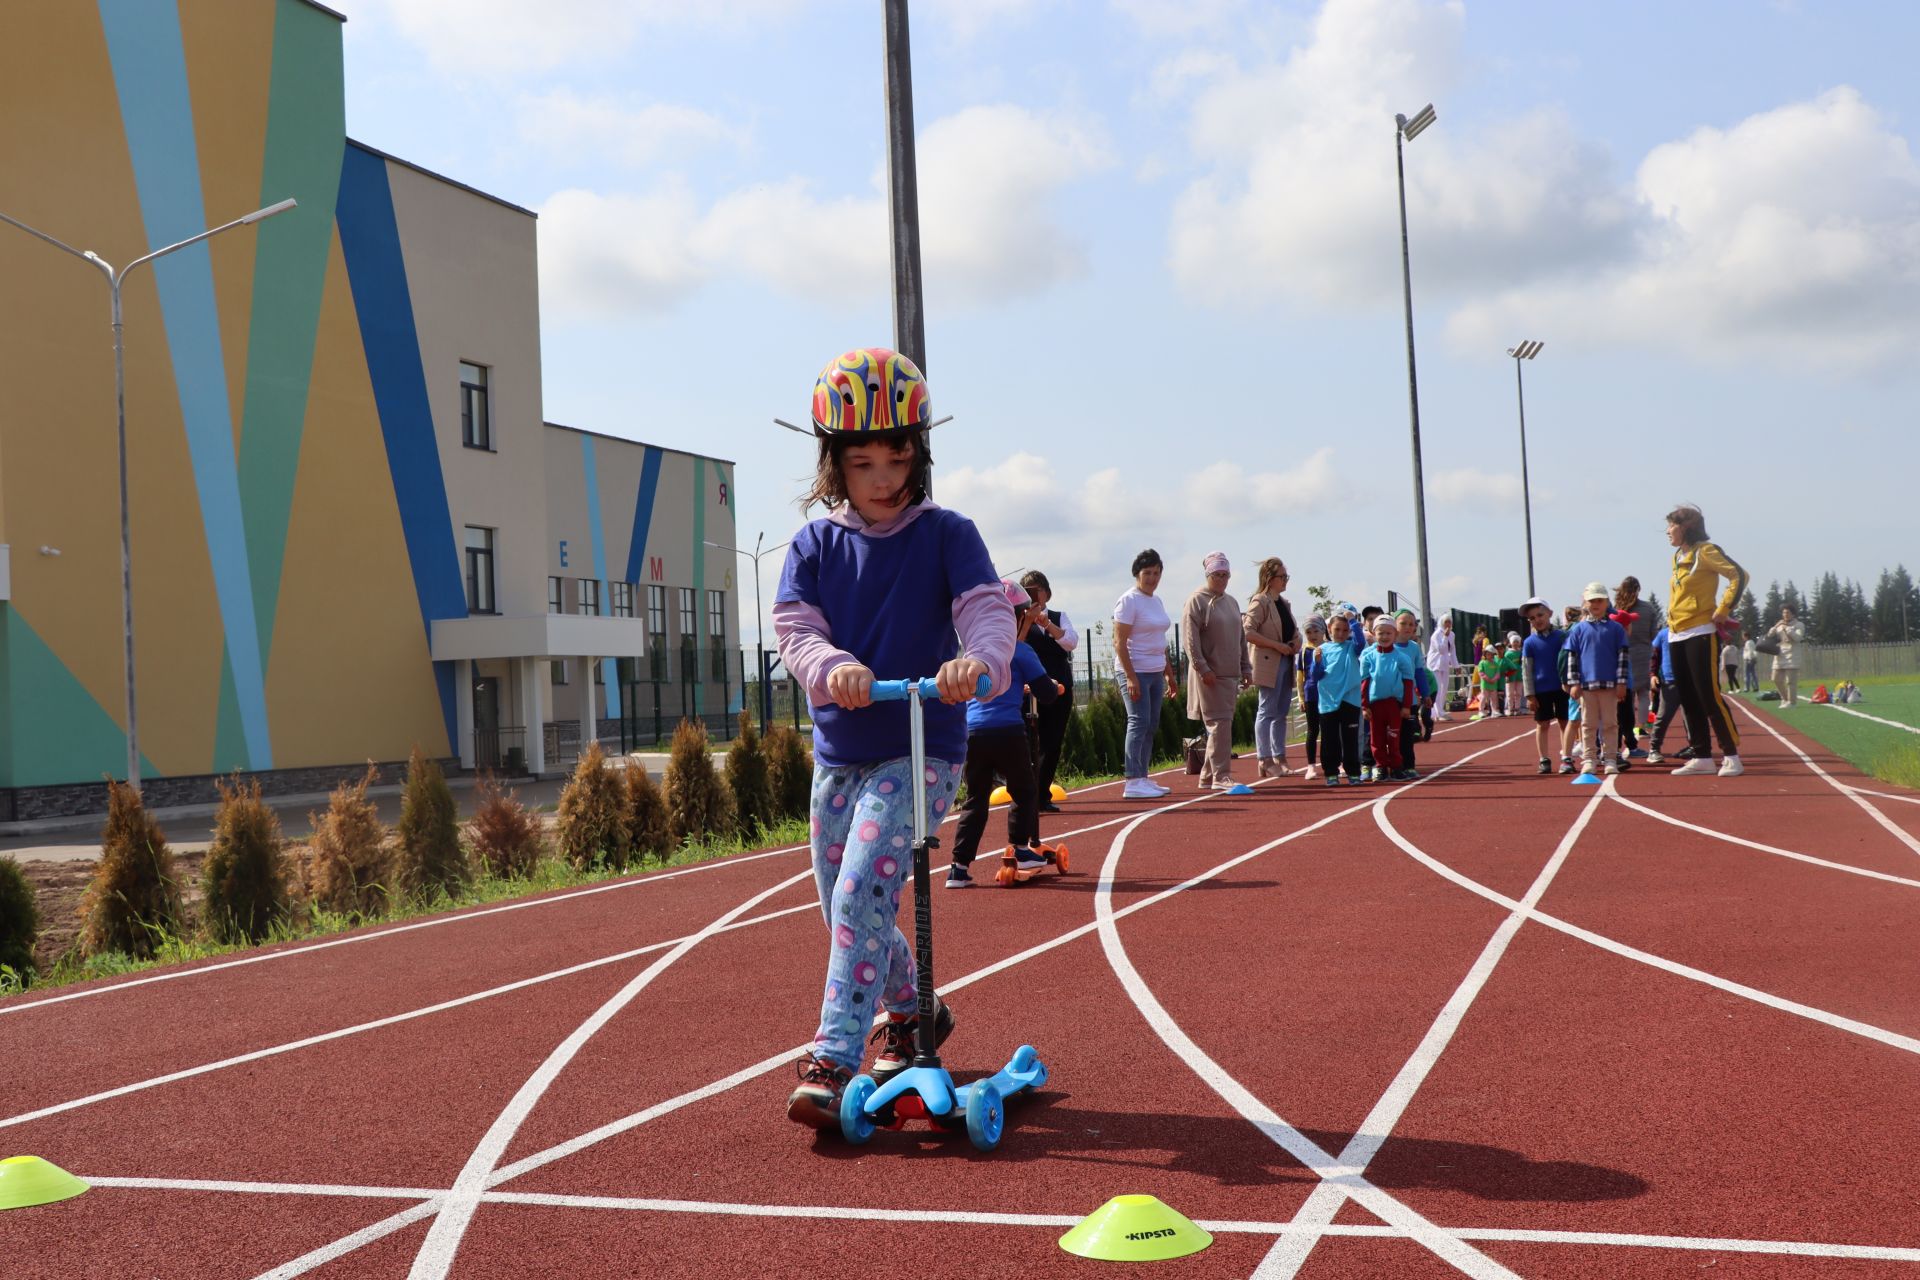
(1490,1024)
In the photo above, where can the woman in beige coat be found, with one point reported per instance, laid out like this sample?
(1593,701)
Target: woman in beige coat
(1272,640)
(1216,668)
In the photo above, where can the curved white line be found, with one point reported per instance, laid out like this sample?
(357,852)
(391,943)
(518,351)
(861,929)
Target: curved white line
(1891,724)
(1352,1181)
(1865,1030)
(1729,838)
(1884,795)
(1850,793)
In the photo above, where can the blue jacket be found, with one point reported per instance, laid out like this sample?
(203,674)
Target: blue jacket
(1388,673)
(1005,711)
(1662,648)
(1597,654)
(1422,678)
(1540,660)
(1336,676)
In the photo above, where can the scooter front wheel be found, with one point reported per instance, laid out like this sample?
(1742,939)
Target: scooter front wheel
(986,1115)
(856,1126)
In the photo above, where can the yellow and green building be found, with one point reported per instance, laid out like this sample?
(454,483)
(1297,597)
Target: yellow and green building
(352,529)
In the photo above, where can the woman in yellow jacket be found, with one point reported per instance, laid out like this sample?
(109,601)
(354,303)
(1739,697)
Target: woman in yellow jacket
(1695,607)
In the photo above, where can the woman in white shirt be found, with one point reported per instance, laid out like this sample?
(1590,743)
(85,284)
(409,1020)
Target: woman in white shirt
(1786,663)
(1140,625)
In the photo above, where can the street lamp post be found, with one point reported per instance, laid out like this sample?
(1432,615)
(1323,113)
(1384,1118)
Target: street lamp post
(116,276)
(759,620)
(1525,351)
(1406,130)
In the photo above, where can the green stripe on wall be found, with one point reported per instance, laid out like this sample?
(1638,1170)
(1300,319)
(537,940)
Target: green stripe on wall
(699,574)
(229,735)
(306,134)
(56,732)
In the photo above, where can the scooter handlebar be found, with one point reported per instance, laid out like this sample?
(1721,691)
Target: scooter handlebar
(896,690)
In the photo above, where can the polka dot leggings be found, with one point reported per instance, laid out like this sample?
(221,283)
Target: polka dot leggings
(862,856)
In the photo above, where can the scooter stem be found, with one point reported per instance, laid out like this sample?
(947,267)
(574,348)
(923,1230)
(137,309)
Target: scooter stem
(925,1053)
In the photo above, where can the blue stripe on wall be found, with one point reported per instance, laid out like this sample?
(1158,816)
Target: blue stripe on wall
(150,76)
(643,514)
(609,668)
(377,272)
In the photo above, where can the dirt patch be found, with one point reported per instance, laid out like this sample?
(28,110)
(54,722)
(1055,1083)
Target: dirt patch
(60,888)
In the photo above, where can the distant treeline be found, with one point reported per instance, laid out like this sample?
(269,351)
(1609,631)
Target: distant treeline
(1839,611)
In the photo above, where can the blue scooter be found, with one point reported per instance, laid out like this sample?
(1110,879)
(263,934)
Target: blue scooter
(925,1090)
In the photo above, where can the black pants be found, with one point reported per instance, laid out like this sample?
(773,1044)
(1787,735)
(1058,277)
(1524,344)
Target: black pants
(992,755)
(1311,705)
(1696,666)
(1628,729)
(1340,740)
(1409,734)
(1669,708)
(1053,731)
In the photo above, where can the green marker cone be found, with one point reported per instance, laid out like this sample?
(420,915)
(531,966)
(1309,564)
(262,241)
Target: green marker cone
(1135,1229)
(26,1181)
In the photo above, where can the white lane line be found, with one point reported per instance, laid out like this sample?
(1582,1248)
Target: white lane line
(1049,1221)
(1349,1181)
(1850,793)
(1763,848)
(1891,724)
(304,949)
(436,1254)
(376,1024)
(347,1244)
(443,1006)
(1884,795)
(1894,1039)
(22,1005)
(1290,1252)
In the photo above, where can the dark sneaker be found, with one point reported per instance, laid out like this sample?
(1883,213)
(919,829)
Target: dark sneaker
(1405,775)
(959,877)
(1333,779)
(1546,767)
(1566,764)
(896,1036)
(816,1102)
(1048,806)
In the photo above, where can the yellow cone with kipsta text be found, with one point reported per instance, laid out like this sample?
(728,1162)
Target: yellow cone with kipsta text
(26,1181)
(1135,1229)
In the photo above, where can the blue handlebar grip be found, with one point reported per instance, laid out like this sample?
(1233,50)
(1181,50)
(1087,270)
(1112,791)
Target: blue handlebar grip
(896,690)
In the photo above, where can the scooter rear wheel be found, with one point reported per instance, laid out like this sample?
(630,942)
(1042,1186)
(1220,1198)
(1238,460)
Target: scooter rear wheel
(986,1115)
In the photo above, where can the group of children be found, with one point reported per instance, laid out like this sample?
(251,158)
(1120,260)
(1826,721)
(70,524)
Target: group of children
(1368,695)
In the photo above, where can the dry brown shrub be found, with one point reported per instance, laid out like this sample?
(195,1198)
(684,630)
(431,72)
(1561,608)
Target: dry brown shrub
(789,772)
(592,826)
(506,838)
(428,858)
(134,900)
(698,805)
(647,826)
(347,858)
(243,881)
(750,780)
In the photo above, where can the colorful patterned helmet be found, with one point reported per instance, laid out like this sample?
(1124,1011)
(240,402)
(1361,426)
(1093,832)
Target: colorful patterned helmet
(871,393)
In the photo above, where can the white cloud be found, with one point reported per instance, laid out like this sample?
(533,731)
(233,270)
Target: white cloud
(1793,237)
(968,19)
(1471,487)
(1179,17)
(562,123)
(986,175)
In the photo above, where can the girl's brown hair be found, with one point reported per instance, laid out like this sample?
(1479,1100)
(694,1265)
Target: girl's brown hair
(1692,523)
(1268,567)
(830,482)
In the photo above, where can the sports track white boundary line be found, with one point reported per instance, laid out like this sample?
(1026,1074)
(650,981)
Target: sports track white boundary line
(1351,1181)
(20,1005)
(1850,793)
(970,1217)
(1891,724)
(1290,1252)
(1729,838)
(441,1007)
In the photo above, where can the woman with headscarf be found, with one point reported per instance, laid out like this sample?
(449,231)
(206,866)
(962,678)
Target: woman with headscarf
(1443,655)
(1694,613)
(1786,663)
(1216,667)
(1273,640)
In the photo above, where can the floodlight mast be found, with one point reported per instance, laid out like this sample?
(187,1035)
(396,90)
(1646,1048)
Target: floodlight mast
(1525,351)
(1405,130)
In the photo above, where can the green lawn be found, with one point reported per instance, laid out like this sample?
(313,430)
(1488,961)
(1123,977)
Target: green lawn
(1890,754)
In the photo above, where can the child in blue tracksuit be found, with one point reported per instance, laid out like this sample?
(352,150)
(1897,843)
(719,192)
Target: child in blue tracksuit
(1541,673)
(1598,674)
(1336,683)
(1316,633)
(1386,690)
(1407,627)
(997,747)
(1669,703)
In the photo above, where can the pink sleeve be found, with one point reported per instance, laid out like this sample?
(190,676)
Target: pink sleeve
(805,642)
(985,624)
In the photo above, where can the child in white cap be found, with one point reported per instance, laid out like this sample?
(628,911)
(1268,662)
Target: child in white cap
(1597,674)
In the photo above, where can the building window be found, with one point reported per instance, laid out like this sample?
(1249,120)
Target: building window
(600,672)
(480,570)
(657,631)
(717,628)
(559,666)
(622,599)
(476,415)
(689,636)
(628,671)
(556,595)
(590,597)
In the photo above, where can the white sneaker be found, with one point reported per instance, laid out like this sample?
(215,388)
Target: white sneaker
(1156,788)
(1730,767)
(1694,768)
(1613,769)
(1441,715)
(1140,789)
(1654,757)
(1310,772)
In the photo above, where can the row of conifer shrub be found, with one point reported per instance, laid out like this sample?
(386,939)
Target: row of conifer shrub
(255,886)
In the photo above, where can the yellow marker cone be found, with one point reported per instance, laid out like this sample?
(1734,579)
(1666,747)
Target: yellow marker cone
(999,796)
(1059,793)
(1135,1229)
(26,1181)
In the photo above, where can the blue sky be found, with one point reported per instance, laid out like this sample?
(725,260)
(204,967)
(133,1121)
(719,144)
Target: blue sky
(1162,258)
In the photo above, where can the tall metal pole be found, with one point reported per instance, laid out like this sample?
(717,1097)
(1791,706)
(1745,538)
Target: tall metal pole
(760,639)
(903,191)
(114,280)
(1413,388)
(1526,489)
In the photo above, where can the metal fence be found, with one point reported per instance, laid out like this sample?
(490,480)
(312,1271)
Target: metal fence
(1852,661)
